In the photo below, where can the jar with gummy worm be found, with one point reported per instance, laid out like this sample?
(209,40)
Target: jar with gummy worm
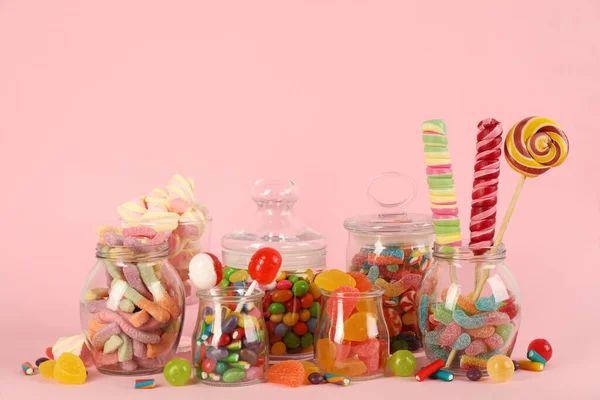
(392,248)
(291,303)
(132,308)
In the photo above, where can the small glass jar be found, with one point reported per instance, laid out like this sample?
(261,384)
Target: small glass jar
(352,337)
(392,248)
(291,305)
(469,307)
(132,309)
(230,348)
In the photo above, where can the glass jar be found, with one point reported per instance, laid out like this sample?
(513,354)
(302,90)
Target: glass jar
(469,307)
(392,248)
(230,349)
(352,337)
(132,309)
(291,304)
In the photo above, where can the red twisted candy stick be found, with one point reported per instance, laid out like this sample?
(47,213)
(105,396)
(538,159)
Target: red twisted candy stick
(485,184)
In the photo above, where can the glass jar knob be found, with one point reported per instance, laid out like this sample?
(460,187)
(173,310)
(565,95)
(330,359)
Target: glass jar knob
(378,191)
(275,191)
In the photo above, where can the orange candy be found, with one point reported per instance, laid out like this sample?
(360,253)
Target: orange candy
(361,326)
(288,373)
(393,321)
(326,351)
(363,284)
(349,368)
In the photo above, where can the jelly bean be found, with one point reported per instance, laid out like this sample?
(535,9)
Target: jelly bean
(239,276)
(333,278)
(315,309)
(228,271)
(280,330)
(216,353)
(528,365)
(314,290)
(276,308)
(233,375)
(449,334)
(410,318)
(300,288)
(350,368)
(293,305)
(517,365)
(278,348)
(254,373)
(312,324)
(304,314)
(40,360)
(238,333)
(230,324)
(306,300)
(474,374)
(309,368)
(220,341)
(224,283)
(393,321)
(293,279)
(234,346)
(494,342)
(249,356)
(481,333)
(232,357)
(240,364)
(487,304)
(281,276)
(307,340)
(47,369)
(542,347)
(276,318)
(281,296)
(316,378)
(208,365)
(291,340)
(360,327)
(291,318)
(221,368)
(462,342)
(288,373)
(239,284)
(467,362)
(306,275)
(476,347)
(533,356)
(300,328)
(500,368)
(423,307)
(505,331)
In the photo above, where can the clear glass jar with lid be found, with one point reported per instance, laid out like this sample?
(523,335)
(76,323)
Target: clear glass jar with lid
(291,303)
(393,249)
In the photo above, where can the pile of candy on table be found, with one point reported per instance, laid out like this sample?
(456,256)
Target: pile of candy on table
(402,291)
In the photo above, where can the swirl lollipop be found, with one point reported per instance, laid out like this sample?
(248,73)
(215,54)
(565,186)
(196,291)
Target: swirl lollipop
(263,268)
(532,147)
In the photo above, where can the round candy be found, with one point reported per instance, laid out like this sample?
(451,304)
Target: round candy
(474,374)
(177,371)
(402,363)
(284,284)
(206,271)
(542,347)
(281,296)
(300,288)
(500,368)
(306,300)
(300,328)
(276,308)
(316,378)
(278,348)
(264,265)
(307,340)
(233,375)
(291,340)
(293,279)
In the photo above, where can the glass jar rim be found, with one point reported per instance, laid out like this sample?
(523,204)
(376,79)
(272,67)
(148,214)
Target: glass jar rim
(155,251)
(482,253)
(375,291)
(223,294)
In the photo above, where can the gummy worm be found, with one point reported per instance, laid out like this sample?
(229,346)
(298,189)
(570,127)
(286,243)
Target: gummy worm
(125,352)
(104,334)
(140,318)
(101,359)
(129,365)
(126,305)
(114,272)
(127,328)
(157,289)
(132,276)
(139,350)
(153,309)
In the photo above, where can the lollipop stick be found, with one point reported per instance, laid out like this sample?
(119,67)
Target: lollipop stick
(251,288)
(500,236)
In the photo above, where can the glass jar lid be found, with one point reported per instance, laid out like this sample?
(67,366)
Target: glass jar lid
(392,219)
(275,226)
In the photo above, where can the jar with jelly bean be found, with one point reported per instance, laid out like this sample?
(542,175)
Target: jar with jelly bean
(352,337)
(230,347)
(291,304)
(469,307)
(132,309)
(392,248)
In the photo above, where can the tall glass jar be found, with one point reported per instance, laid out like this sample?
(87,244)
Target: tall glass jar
(291,303)
(132,309)
(352,338)
(392,248)
(230,348)
(469,307)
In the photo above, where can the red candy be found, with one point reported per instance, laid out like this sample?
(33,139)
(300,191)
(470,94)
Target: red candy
(348,303)
(363,283)
(208,365)
(342,350)
(300,328)
(217,266)
(224,340)
(264,266)
(393,321)
(542,347)
(49,353)
(367,348)
(429,370)
(239,333)
(307,300)
(292,305)
(288,373)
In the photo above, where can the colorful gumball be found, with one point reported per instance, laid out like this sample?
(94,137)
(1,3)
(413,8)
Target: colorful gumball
(542,347)
(206,271)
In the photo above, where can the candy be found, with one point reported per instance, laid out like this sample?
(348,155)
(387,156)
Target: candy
(337,379)
(484,332)
(104,334)
(467,362)
(144,384)
(288,373)
(307,340)
(442,375)
(479,320)
(476,347)
(49,353)
(500,368)
(47,369)
(363,284)
(40,360)
(393,321)
(264,265)
(300,288)
(474,374)
(325,353)
(487,304)
(238,276)
(254,373)
(360,326)
(350,368)
(342,302)
(462,342)
(542,347)
(402,363)
(113,343)
(449,334)
(69,369)
(278,348)
(528,365)
(206,271)
(534,356)
(517,365)
(373,274)
(177,371)
(125,351)
(428,370)
(27,368)
(310,368)
(442,314)
(120,287)
(72,344)
(315,378)
(136,334)
(332,279)
(407,302)
(494,342)
(132,275)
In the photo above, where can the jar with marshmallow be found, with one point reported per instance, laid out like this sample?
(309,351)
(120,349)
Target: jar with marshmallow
(292,302)
(132,305)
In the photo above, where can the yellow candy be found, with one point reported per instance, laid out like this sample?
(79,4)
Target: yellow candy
(334,278)
(309,368)
(409,318)
(239,276)
(361,326)
(500,368)
(69,369)
(326,353)
(47,369)
(209,319)
(278,348)
(367,305)
(349,368)
(306,275)
(314,290)
(278,317)
(291,319)
(304,315)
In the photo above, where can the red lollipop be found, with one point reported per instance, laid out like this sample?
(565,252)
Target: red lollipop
(264,265)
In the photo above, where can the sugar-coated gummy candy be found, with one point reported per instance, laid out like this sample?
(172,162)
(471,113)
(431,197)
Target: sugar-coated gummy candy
(504,331)
(343,302)
(467,362)
(69,369)
(449,334)
(402,363)
(366,348)
(500,368)
(442,314)
(371,362)
(47,369)
(360,326)
(363,284)
(484,332)
(474,374)
(542,347)
(462,342)
(334,278)
(177,371)
(325,353)
(423,307)
(373,274)
(476,347)
(494,342)
(487,304)
(288,373)
(466,321)
(254,373)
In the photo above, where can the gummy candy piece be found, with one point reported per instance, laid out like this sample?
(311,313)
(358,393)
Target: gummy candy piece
(342,351)
(510,309)
(431,337)
(345,303)
(367,305)
(468,322)
(475,348)
(360,326)
(489,354)
(467,362)
(449,334)
(371,362)
(69,369)
(438,352)
(310,368)
(349,368)
(326,352)
(481,333)
(496,318)
(47,369)
(494,342)
(363,283)
(504,330)
(334,278)
(487,304)
(393,321)
(442,314)
(288,373)
(423,307)
(462,342)
(366,348)
(410,318)
(388,256)
(500,368)
(373,274)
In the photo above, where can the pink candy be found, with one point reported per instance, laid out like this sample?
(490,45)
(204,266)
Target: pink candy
(129,365)
(132,275)
(139,350)
(101,359)
(449,335)
(127,328)
(104,334)
(481,333)
(113,239)
(494,342)
(147,363)
(476,347)
(139,231)
(496,318)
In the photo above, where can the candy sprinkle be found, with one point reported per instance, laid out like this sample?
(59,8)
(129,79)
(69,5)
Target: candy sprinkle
(27,368)
(144,384)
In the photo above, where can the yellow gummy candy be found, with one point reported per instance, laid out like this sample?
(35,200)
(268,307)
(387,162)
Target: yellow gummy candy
(69,369)
(333,279)
(47,369)
(360,326)
(349,368)
(367,305)
(326,354)
(309,368)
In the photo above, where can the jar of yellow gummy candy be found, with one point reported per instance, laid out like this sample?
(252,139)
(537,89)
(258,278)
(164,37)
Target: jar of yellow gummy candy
(230,348)
(469,306)
(352,336)
(132,309)
(392,248)
(291,303)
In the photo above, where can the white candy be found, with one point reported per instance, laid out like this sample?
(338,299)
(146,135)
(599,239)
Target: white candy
(202,272)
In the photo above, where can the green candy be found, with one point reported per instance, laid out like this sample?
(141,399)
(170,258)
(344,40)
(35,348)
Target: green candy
(291,340)
(504,331)
(276,308)
(221,368)
(447,222)
(293,279)
(442,314)
(315,309)
(233,375)
(446,230)
(228,271)
(434,125)
(236,345)
(300,288)
(224,283)
(233,357)
(443,180)
(307,340)
(392,267)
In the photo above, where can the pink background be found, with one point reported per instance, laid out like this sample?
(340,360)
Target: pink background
(101,101)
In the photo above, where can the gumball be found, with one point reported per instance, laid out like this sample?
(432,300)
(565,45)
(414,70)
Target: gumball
(500,368)
(542,347)
(264,265)
(402,363)
(206,271)
(177,372)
